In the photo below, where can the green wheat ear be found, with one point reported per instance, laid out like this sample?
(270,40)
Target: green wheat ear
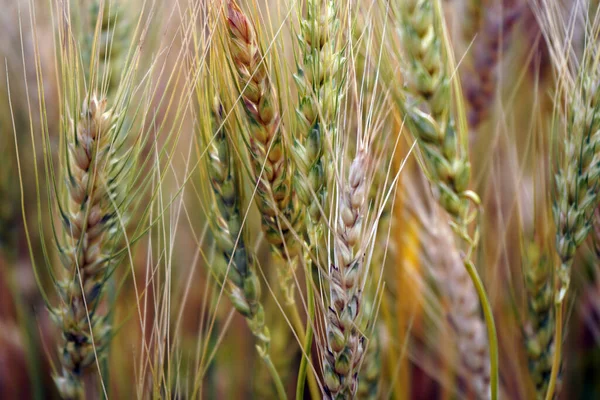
(107,42)
(319,83)
(539,327)
(430,102)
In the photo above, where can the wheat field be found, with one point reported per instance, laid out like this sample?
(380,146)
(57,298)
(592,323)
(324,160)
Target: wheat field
(300,199)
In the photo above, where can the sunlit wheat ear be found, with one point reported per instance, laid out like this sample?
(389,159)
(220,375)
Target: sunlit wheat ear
(345,344)
(320,88)
(539,325)
(88,220)
(266,145)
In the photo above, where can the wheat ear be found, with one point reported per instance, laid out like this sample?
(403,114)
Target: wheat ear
(88,221)
(345,343)
(238,275)
(577,180)
(275,199)
(319,88)
(464,313)
(429,117)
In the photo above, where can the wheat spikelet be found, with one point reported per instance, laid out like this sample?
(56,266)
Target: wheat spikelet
(275,199)
(345,344)
(88,221)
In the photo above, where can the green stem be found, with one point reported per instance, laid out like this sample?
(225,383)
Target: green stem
(490,325)
(308,339)
(298,327)
(557,352)
(275,376)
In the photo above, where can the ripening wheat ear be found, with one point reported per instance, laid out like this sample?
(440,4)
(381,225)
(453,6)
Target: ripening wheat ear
(264,139)
(464,312)
(429,107)
(577,172)
(320,89)
(91,194)
(345,344)
(238,275)
(86,251)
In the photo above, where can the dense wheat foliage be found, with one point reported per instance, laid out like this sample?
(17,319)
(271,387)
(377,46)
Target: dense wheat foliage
(300,199)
